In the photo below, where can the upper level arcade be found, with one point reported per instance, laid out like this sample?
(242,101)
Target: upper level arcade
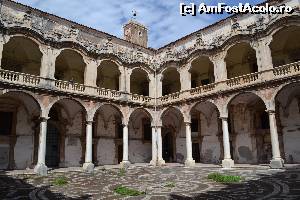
(43,52)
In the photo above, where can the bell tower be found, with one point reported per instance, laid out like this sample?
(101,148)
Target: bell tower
(135,32)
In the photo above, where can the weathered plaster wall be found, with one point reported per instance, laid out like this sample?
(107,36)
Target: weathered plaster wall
(73,113)
(244,141)
(290,122)
(140,151)
(106,152)
(210,147)
(106,123)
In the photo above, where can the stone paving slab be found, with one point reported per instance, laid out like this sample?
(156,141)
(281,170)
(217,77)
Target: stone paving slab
(171,182)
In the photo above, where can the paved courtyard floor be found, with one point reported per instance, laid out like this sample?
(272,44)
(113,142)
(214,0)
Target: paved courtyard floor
(170,182)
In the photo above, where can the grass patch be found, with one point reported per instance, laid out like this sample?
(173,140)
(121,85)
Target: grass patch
(221,178)
(125,191)
(60,181)
(170,184)
(122,172)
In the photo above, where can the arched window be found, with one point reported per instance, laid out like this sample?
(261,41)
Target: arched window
(139,83)
(240,60)
(69,66)
(170,81)
(21,54)
(108,75)
(285,46)
(202,72)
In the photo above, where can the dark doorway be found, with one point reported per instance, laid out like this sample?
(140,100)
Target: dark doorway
(196,152)
(7,137)
(120,153)
(52,145)
(167,146)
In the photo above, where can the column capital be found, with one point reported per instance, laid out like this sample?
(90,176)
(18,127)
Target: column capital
(187,123)
(89,121)
(156,126)
(270,112)
(124,124)
(44,119)
(223,118)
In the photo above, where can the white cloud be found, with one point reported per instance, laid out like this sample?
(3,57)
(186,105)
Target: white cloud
(161,17)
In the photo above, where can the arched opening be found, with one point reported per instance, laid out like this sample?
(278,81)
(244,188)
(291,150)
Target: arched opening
(70,66)
(202,72)
(65,141)
(139,82)
(206,133)
(285,46)
(170,81)
(288,121)
(108,136)
(21,54)
(250,140)
(19,130)
(240,60)
(173,136)
(108,75)
(140,137)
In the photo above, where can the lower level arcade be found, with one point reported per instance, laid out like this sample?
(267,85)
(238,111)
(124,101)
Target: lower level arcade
(115,140)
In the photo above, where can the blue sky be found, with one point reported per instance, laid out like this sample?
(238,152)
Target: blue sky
(161,17)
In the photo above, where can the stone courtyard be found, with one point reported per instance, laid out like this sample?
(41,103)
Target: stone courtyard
(170,182)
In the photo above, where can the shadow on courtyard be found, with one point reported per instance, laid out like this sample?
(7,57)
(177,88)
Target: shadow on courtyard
(17,188)
(276,185)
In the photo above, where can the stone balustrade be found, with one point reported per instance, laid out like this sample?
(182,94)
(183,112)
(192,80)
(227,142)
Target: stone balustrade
(287,69)
(19,78)
(141,99)
(244,79)
(22,79)
(69,86)
(291,69)
(203,89)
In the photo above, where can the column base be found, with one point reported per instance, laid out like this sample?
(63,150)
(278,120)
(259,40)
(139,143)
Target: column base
(125,164)
(276,163)
(41,169)
(189,163)
(161,162)
(88,167)
(227,163)
(153,162)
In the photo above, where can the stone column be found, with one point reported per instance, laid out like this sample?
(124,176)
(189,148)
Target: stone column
(189,158)
(126,79)
(50,54)
(159,79)
(276,161)
(220,70)
(263,53)
(151,85)
(185,78)
(227,162)
(90,75)
(160,160)
(88,165)
(125,162)
(154,147)
(41,167)
(122,81)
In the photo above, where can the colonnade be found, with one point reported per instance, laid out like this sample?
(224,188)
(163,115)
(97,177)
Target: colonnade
(157,158)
